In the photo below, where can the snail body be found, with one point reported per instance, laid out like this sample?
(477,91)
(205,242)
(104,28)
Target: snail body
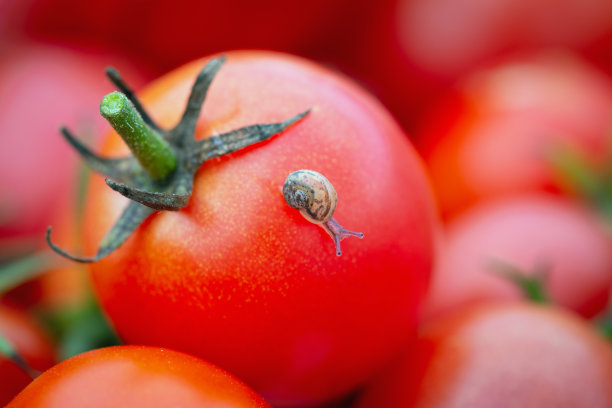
(315,197)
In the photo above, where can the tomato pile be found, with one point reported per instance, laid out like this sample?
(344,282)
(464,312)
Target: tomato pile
(212,256)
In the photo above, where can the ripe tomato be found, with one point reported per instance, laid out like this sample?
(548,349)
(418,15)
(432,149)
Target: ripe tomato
(513,355)
(30,342)
(496,133)
(43,87)
(434,39)
(417,48)
(243,280)
(528,233)
(136,376)
(165,35)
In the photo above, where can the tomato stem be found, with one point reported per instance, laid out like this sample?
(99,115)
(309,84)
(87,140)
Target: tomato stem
(150,149)
(160,175)
(584,179)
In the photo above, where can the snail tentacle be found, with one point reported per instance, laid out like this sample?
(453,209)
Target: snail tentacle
(338,233)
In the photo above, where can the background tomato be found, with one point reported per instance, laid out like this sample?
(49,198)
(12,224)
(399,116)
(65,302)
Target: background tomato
(534,234)
(240,278)
(136,376)
(434,38)
(164,34)
(31,343)
(513,355)
(44,87)
(495,134)
(415,49)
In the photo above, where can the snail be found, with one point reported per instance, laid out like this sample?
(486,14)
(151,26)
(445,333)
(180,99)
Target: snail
(316,198)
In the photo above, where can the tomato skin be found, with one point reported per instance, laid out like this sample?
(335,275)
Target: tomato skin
(44,87)
(136,376)
(244,281)
(30,342)
(528,232)
(495,133)
(512,355)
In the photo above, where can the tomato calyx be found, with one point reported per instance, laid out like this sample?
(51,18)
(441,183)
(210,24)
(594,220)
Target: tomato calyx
(532,286)
(160,174)
(591,182)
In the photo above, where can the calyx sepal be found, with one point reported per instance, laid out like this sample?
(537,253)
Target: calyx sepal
(171,190)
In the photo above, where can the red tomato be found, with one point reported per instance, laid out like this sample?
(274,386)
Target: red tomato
(136,376)
(244,281)
(30,342)
(43,87)
(529,233)
(434,38)
(166,35)
(514,355)
(498,132)
(419,47)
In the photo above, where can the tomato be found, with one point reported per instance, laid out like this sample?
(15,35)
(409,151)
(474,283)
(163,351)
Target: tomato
(513,355)
(43,87)
(439,42)
(241,279)
(136,376)
(496,134)
(420,46)
(164,35)
(534,234)
(30,342)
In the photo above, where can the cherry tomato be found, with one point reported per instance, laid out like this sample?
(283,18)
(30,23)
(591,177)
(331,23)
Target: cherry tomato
(165,35)
(43,87)
(241,279)
(136,376)
(496,134)
(30,342)
(434,39)
(563,242)
(513,355)
(418,47)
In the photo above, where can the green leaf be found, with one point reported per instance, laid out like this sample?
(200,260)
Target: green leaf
(21,270)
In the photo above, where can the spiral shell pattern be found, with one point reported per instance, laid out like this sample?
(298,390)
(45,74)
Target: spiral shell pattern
(312,194)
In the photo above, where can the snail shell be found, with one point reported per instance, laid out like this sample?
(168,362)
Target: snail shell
(312,194)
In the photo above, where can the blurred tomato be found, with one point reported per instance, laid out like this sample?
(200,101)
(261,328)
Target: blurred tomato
(535,234)
(44,87)
(496,132)
(49,281)
(136,376)
(512,356)
(166,34)
(418,47)
(30,342)
(448,37)
(244,281)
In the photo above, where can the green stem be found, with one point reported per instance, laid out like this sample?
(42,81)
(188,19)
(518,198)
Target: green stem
(152,151)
